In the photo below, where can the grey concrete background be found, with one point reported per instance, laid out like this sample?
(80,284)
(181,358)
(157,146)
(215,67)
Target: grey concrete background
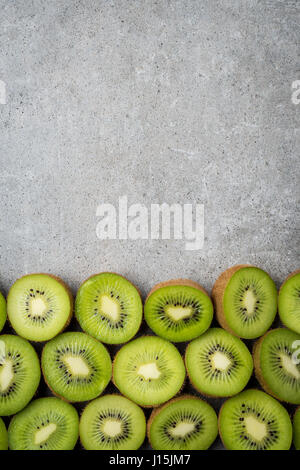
(162,101)
(166,101)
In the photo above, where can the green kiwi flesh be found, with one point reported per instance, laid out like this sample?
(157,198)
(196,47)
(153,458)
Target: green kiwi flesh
(39,306)
(253,420)
(109,308)
(2,312)
(218,363)
(112,422)
(76,366)
(45,424)
(178,312)
(277,366)
(250,302)
(297,429)
(184,423)
(3,436)
(19,374)
(289,302)
(149,370)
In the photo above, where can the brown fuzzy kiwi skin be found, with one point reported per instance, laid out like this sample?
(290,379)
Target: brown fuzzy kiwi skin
(177,282)
(218,291)
(145,406)
(67,289)
(296,411)
(257,368)
(158,409)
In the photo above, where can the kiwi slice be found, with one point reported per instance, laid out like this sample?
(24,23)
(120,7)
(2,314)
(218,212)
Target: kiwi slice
(149,370)
(20,374)
(178,310)
(76,366)
(245,299)
(39,306)
(45,424)
(112,422)
(109,307)
(3,436)
(296,429)
(184,423)
(253,420)
(275,367)
(289,302)
(2,311)
(218,364)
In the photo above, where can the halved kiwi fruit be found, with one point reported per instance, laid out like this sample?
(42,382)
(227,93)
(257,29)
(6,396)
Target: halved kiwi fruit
(275,364)
(112,422)
(184,423)
(178,310)
(109,307)
(3,436)
(245,299)
(20,374)
(2,311)
(45,424)
(218,364)
(148,370)
(253,420)
(39,306)
(297,429)
(289,302)
(76,366)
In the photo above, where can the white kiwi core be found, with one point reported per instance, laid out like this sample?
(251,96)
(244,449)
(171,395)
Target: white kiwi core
(178,313)
(6,374)
(110,307)
(182,429)
(289,366)
(77,365)
(38,307)
(255,428)
(220,361)
(43,434)
(149,371)
(249,301)
(112,427)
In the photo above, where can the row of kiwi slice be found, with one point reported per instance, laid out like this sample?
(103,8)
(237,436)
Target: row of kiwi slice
(252,420)
(109,307)
(149,371)
(40,306)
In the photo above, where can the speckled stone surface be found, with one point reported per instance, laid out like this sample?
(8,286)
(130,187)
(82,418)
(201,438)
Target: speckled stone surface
(161,101)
